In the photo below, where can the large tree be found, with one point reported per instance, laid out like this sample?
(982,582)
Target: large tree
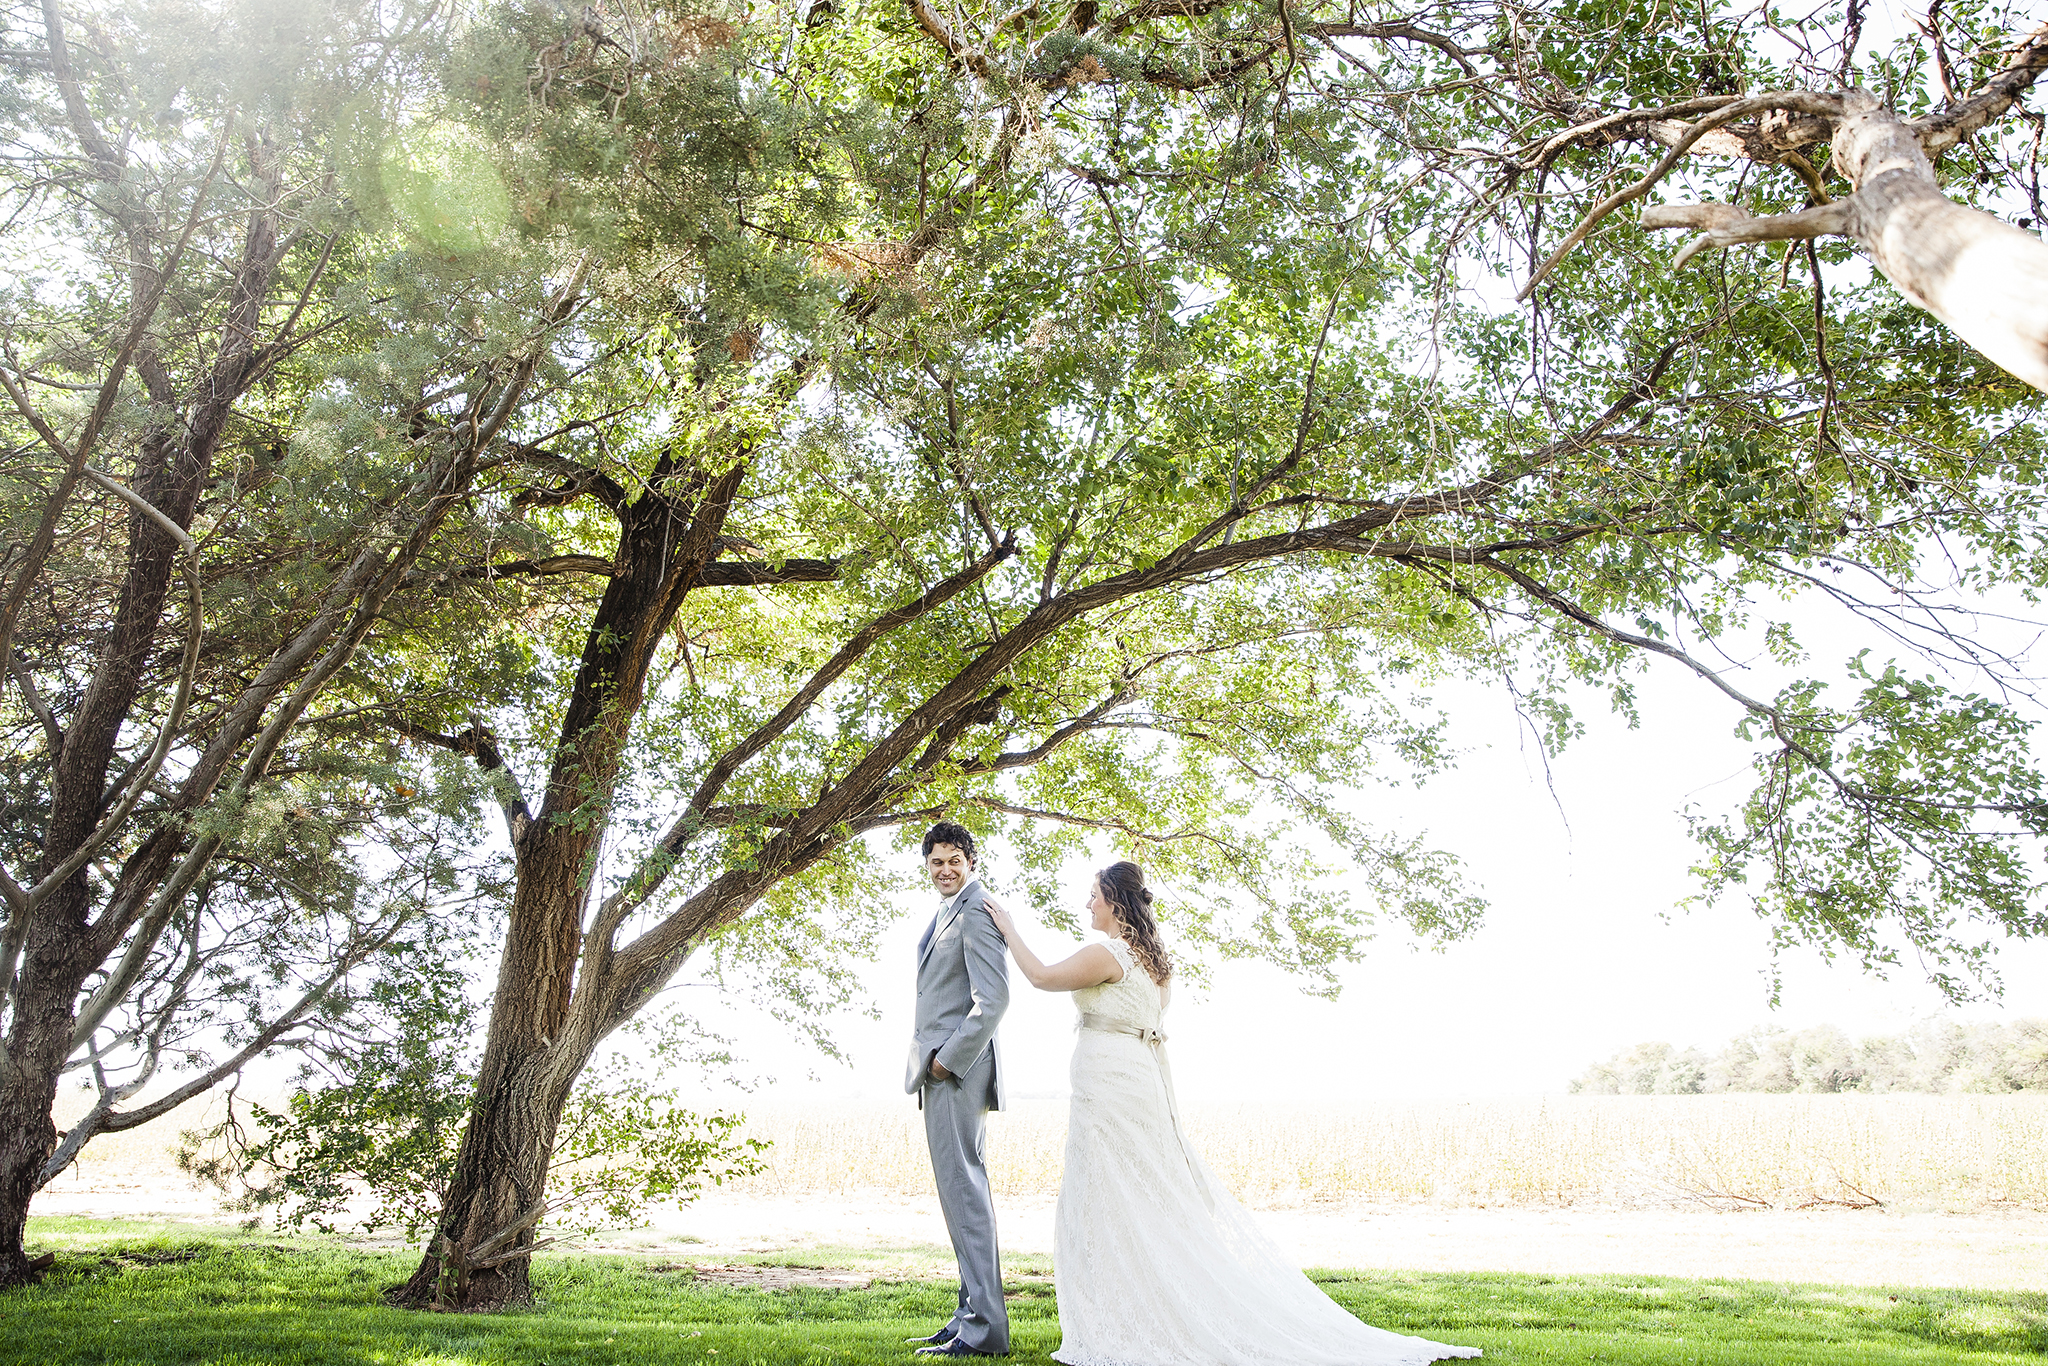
(1166,437)
(253,350)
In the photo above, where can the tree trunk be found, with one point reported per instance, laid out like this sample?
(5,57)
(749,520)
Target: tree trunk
(61,945)
(534,1047)
(37,1045)
(479,1258)
(1981,275)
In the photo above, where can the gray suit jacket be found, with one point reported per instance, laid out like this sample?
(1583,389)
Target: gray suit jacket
(963,988)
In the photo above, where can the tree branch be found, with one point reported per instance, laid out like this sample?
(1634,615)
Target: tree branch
(80,449)
(113,1122)
(1729,226)
(717,574)
(876,781)
(480,745)
(696,815)
(53,734)
(1616,127)
(1096,823)
(1401,29)
(1241,505)
(1801,101)
(188,670)
(106,158)
(762,573)
(961,51)
(1025,758)
(577,480)
(1946,127)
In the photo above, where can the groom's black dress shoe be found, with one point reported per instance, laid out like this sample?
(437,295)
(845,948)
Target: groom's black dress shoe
(944,1335)
(953,1347)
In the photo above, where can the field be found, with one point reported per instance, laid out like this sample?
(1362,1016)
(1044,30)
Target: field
(120,1295)
(1764,1187)
(1953,1154)
(1532,1229)
(1956,1154)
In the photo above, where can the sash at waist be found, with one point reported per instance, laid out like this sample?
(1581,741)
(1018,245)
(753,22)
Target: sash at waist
(1105,1025)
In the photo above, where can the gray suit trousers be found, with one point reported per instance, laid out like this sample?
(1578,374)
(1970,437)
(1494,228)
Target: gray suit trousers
(955,1123)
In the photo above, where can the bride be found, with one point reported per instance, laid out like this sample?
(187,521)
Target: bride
(1154,1263)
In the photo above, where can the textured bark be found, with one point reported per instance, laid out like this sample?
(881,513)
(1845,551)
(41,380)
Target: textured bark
(1981,275)
(499,1187)
(38,1042)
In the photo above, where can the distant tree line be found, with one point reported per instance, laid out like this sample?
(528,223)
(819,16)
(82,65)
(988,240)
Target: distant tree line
(1931,1057)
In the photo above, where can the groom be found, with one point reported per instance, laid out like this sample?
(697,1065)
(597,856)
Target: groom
(963,987)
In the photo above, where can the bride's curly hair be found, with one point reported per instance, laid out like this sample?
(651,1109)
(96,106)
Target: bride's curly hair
(1130,900)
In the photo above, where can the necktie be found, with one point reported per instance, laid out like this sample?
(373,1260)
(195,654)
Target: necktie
(932,928)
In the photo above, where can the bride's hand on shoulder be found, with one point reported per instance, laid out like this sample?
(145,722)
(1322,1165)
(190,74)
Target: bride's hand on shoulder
(1005,926)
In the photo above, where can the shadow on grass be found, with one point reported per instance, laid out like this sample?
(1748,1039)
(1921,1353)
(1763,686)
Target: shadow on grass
(210,1298)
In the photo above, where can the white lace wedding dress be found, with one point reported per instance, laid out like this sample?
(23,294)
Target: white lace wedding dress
(1155,1263)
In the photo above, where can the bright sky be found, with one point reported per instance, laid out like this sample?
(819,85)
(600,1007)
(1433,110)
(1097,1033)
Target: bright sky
(1582,953)
(1574,962)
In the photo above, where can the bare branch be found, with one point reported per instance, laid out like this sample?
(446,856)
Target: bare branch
(289,1018)
(1557,602)
(1612,127)
(1802,101)
(1729,226)
(1983,277)
(53,734)
(143,506)
(480,745)
(1025,758)
(1405,31)
(1946,127)
(1097,823)
(961,51)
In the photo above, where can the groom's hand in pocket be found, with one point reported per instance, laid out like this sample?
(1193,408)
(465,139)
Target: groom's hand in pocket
(937,1068)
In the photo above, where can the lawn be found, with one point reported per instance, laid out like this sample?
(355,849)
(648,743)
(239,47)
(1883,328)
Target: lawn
(128,1294)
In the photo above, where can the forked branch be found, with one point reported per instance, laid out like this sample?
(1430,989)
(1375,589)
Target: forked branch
(1799,101)
(1729,226)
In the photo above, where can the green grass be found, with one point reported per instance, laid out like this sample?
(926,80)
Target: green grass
(161,1293)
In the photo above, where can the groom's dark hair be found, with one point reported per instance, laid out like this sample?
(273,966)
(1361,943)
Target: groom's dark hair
(945,832)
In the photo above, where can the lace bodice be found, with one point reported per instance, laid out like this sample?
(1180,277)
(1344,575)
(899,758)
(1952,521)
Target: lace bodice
(1133,999)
